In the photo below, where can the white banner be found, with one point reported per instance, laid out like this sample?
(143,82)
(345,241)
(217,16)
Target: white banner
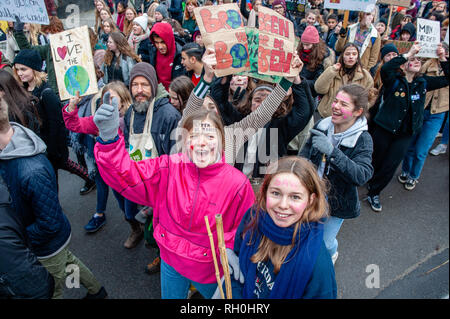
(353,5)
(429,36)
(29,11)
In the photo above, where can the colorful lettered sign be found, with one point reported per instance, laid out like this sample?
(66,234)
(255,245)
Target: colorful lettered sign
(222,28)
(74,64)
(402,46)
(276,43)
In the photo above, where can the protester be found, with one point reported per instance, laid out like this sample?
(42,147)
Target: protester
(365,37)
(341,148)
(119,59)
(401,115)
(191,59)
(22,276)
(347,70)
(32,185)
(121,7)
(436,105)
(139,38)
(280,239)
(130,15)
(252,15)
(173,231)
(189,22)
(165,55)
(179,90)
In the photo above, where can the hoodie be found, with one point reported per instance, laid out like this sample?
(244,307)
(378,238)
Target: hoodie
(164,62)
(32,184)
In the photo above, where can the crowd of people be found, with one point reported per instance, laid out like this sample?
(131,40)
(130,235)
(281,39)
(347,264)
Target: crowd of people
(282,162)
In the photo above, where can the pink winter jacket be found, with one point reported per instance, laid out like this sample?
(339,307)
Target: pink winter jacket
(181,194)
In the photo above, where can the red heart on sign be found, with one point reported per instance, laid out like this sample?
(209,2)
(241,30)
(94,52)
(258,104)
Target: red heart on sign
(62,52)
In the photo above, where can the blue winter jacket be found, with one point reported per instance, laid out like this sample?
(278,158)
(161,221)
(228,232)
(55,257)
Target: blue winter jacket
(32,184)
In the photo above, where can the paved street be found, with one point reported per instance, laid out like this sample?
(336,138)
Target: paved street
(408,242)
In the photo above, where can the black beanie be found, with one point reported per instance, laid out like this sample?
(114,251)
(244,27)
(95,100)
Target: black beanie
(29,58)
(388,48)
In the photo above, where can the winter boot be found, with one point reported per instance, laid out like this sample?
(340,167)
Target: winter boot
(137,234)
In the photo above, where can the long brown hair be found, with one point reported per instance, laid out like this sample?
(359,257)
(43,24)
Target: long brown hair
(55,26)
(183,87)
(349,71)
(317,55)
(97,13)
(128,25)
(186,13)
(315,211)
(123,46)
(21,103)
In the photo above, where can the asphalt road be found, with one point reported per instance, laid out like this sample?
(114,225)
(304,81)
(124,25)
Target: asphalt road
(401,252)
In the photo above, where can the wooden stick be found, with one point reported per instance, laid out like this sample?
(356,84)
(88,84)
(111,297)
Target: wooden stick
(223,255)
(213,249)
(345,22)
(388,27)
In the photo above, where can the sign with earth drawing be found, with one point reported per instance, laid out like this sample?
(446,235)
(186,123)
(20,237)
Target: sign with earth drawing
(222,28)
(74,64)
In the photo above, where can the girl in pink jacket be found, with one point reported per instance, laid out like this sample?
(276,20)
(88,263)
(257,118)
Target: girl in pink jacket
(182,189)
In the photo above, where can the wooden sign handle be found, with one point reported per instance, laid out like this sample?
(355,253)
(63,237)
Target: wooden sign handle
(213,250)
(345,22)
(223,255)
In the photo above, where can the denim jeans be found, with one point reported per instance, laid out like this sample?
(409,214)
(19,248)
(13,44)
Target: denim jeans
(128,207)
(102,193)
(330,230)
(421,143)
(175,286)
(444,139)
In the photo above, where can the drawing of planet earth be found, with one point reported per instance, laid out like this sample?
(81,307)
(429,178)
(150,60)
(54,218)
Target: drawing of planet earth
(76,79)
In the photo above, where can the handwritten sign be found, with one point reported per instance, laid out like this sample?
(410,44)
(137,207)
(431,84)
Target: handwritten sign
(402,46)
(30,11)
(276,43)
(400,3)
(253,44)
(428,35)
(73,61)
(222,28)
(354,5)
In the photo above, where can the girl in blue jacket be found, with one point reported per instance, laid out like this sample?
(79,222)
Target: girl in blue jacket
(280,239)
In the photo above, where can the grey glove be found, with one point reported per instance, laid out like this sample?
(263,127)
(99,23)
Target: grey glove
(321,142)
(233,262)
(107,118)
(18,25)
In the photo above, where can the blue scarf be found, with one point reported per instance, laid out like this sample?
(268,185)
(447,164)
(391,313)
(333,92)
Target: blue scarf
(298,266)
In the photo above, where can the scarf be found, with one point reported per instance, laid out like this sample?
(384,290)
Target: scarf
(296,270)
(134,40)
(304,55)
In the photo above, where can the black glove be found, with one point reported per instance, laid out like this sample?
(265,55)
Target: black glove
(18,25)
(238,95)
(343,32)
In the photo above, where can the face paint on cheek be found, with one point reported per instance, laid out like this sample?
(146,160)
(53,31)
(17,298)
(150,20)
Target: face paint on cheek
(346,113)
(298,208)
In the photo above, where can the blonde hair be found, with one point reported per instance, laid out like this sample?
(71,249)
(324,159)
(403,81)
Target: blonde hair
(306,172)
(123,92)
(128,25)
(97,14)
(39,77)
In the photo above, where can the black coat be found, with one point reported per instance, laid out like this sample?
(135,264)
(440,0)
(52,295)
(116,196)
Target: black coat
(53,130)
(346,169)
(22,276)
(404,103)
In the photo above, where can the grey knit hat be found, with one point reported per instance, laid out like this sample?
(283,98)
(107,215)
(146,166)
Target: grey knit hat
(163,10)
(147,71)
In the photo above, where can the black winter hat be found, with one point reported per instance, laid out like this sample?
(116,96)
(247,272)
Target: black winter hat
(388,48)
(29,58)
(410,28)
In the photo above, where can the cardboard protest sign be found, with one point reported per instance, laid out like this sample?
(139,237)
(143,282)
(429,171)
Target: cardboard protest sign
(429,36)
(400,3)
(253,44)
(402,46)
(222,28)
(73,61)
(354,5)
(276,43)
(30,11)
